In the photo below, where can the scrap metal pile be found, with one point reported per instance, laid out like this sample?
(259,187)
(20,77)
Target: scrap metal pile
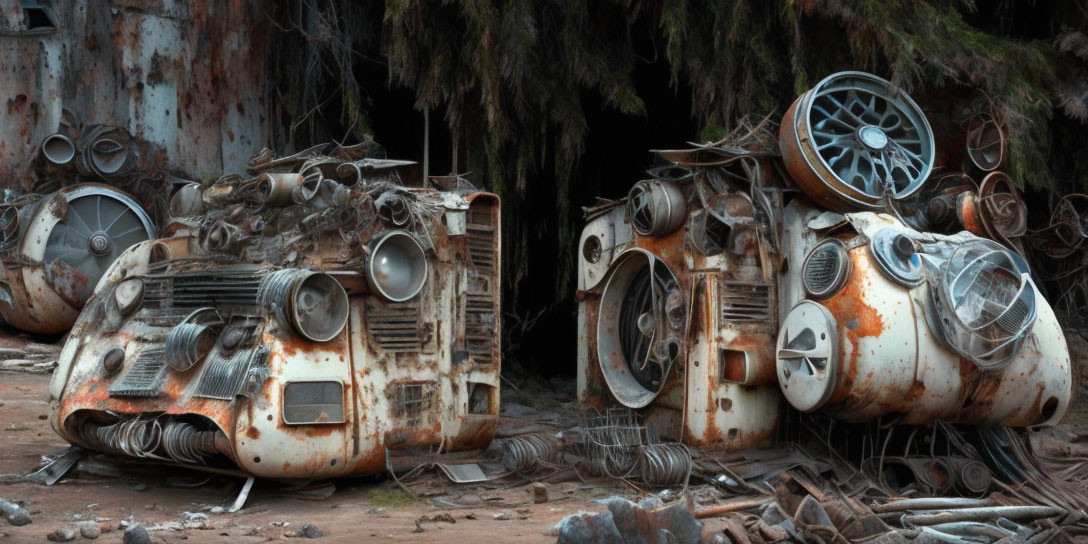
(295,323)
(840,267)
(329,314)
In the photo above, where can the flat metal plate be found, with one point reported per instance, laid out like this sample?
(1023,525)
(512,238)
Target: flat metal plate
(464,474)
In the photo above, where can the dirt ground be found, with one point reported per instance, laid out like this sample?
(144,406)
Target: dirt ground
(358,510)
(190,506)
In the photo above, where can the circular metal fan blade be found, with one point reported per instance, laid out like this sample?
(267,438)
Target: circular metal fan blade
(99,226)
(65,240)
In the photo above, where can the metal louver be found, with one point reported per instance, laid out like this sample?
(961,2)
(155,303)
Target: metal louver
(144,378)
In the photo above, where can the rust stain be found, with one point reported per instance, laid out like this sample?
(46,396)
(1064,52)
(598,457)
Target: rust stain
(856,320)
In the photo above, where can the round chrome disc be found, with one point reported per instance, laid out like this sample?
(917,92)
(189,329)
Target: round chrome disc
(807,355)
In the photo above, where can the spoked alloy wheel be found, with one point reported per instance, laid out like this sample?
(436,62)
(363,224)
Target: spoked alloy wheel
(853,139)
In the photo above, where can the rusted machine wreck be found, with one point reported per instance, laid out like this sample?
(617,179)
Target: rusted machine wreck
(59,238)
(294,324)
(714,288)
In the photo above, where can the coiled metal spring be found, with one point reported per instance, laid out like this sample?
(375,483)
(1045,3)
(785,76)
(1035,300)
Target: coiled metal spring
(665,464)
(524,453)
(186,444)
(133,437)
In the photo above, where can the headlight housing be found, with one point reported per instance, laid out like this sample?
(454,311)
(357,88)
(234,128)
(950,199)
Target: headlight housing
(397,267)
(314,304)
(128,295)
(986,303)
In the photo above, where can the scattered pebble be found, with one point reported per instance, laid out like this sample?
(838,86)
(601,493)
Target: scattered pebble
(140,487)
(217,510)
(470,515)
(379,511)
(62,534)
(540,492)
(436,517)
(195,516)
(501,516)
(281,523)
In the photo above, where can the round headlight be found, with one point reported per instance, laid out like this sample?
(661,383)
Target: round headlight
(986,303)
(319,307)
(397,267)
(128,295)
(826,269)
(113,360)
(312,303)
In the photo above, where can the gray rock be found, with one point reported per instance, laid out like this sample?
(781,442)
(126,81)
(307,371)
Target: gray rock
(90,530)
(136,534)
(588,529)
(17,515)
(623,514)
(678,521)
(310,531)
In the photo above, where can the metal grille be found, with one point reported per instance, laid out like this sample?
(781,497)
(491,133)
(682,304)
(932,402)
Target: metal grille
(479,326)
(223,374)
(188,290)
(746,302)
(411,400)
(394,326)
(144,378)
(823,270)
(480,239)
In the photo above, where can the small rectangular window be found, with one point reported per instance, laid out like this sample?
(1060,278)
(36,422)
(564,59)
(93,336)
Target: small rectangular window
(733,366)
(309,403)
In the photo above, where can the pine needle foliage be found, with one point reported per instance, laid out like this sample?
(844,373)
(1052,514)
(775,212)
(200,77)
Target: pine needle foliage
(511,78)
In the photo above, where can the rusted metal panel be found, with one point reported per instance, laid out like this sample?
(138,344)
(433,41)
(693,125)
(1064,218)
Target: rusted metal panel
(891,360)
(187,76)
(707,234)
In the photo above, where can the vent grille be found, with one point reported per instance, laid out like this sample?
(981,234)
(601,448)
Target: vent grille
(176,294)
(825,269)
(224,374)
(411,401)
(144,378)
(746,302)
(395,327)
(480,239)
(479,326)
(481,248)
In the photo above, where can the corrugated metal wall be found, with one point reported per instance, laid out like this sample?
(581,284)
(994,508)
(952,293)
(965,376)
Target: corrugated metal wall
(186,75)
